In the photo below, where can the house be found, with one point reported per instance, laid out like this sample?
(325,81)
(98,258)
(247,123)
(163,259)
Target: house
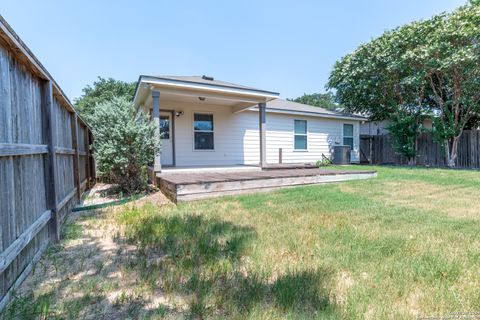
(205,122)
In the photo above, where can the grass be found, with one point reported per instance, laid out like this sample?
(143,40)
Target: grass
(401,246)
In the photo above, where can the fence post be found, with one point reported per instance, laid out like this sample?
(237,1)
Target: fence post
(92,160)
(371,146)
(87,158)
(49,133)
(76,172)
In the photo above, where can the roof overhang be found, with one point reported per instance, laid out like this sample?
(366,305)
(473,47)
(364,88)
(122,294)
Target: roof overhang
(313,114)
(238,98)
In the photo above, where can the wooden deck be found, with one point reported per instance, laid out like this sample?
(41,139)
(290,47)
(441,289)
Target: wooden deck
(195,186)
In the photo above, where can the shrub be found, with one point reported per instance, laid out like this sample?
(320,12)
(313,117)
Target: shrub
(325,161)
(404,129)
(124,144)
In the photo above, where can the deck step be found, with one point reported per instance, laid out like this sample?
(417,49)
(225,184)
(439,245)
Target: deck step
(196,187)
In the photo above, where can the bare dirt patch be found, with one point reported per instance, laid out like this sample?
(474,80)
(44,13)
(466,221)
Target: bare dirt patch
(104,193)
(101,193)
(89,275)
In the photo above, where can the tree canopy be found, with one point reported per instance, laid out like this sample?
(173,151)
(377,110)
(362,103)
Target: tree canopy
(323,100)
(429,66)
(103,90)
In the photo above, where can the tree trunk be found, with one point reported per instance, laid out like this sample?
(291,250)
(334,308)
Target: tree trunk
(451,151)
(451,163)
(412,161)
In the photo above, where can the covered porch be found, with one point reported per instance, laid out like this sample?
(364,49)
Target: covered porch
(203,123)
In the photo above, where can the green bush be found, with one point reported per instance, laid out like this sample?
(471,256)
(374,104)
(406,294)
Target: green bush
(324,162)
(124,144)
(404,129)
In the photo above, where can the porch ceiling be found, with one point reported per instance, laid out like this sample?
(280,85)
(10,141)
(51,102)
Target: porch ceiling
(238,98)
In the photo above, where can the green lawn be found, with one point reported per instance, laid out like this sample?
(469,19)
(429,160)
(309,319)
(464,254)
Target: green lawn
(402,245)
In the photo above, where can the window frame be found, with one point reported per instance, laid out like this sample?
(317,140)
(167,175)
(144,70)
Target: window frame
(348,137)
(169,117)
(300,134)
(207,131)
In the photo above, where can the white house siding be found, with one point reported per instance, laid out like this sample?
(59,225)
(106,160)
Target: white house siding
(322,135)
(236,137)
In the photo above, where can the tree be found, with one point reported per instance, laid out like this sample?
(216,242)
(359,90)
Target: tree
(323,100)
(124,143)
(382,80)
(427,66)
(103,90)
(451,58)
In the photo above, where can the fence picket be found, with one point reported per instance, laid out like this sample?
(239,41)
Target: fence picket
(429,152)
(37,187)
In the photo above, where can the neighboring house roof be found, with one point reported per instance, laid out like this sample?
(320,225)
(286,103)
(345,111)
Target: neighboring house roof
(285,106)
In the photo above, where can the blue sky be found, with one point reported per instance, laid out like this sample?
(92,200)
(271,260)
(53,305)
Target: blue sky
(284,46)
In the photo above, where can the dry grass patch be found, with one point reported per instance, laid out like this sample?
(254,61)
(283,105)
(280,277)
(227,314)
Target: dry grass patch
(453,200)
(90,275)
(397,247)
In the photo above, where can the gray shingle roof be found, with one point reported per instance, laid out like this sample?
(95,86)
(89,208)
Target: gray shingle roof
(201,80)
(274,105)
(285,105)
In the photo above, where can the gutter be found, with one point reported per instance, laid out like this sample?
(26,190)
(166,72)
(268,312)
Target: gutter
(311,113)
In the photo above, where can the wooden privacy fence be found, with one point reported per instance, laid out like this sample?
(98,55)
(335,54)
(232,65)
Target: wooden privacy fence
(379,150)
(45,162)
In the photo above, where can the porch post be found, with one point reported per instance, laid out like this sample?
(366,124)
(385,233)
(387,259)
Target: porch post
(157,166)
(262,129)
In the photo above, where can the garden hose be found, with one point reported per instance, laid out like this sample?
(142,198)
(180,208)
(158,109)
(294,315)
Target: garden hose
(107,204)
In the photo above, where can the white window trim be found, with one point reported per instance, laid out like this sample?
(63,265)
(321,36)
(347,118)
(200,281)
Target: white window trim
(193,131)
(300,134)
(352,137)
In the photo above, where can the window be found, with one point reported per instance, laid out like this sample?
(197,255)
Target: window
(165,127)
(300,134)
(348,135)
(203,131)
